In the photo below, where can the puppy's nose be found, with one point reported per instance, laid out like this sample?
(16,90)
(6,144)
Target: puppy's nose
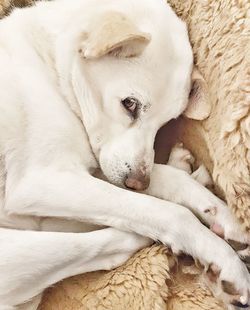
(138,181)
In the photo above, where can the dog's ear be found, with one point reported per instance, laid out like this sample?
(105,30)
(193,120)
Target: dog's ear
(114,34)
(199,107)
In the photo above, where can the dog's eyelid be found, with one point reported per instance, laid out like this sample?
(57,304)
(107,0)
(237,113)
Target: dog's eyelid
(131,105)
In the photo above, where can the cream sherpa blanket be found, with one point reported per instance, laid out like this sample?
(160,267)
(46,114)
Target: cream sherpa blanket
(151,280)
(220,35)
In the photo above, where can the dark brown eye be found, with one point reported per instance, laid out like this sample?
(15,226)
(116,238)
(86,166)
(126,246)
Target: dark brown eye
(130,104)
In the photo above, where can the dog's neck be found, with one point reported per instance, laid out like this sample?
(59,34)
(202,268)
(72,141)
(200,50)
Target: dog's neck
(64,66)
(75,87)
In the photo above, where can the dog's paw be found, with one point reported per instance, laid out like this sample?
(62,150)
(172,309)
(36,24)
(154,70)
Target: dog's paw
(214,254)
(121,246)
(123,241)
(224,273)
(230,283)
(181,158)
(114,261)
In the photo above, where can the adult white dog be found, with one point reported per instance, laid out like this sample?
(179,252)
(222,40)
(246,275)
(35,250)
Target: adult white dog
(85,85)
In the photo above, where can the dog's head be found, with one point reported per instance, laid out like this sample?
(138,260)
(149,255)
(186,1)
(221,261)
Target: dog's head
(132,75)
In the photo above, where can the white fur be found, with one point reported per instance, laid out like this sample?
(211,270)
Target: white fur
(61,119)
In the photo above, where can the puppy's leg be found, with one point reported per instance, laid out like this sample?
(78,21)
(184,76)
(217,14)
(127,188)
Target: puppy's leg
(80,196)
(32,261)
(176,185)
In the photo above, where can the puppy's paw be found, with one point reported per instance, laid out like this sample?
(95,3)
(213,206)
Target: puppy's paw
(181,158)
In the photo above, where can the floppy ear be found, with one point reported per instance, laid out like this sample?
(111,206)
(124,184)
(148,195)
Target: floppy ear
(199,107)
(113,33)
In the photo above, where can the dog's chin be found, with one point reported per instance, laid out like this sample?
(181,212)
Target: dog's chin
(117,178)
(118,183)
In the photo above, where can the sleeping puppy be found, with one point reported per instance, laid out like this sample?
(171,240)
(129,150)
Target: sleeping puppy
(85,86)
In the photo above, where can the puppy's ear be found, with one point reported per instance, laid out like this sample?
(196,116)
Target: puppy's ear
(199,107)
(115,34)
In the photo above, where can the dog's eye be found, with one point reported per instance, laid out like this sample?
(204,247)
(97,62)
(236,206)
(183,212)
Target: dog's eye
(130,104)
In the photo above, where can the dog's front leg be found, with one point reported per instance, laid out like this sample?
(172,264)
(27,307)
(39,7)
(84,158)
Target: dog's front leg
(83,197)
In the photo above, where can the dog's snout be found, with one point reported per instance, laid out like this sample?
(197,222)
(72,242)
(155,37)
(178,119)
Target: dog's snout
(138,181)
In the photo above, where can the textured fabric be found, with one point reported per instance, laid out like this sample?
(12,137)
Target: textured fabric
(138,284)
(151,280)
(7,5)
(220,35)
(4,7)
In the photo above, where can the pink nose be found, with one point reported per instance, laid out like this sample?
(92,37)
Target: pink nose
(137,181)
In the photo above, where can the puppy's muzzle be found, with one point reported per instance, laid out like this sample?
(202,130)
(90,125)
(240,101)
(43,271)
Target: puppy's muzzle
(138,180)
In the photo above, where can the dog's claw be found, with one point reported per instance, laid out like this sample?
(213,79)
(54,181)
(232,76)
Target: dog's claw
(244,300)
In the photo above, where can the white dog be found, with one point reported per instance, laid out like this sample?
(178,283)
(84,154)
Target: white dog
(85,85)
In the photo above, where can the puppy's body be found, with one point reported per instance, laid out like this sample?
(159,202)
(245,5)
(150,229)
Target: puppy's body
(83,87)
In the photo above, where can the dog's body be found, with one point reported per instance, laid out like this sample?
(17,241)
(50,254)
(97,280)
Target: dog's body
(64,115)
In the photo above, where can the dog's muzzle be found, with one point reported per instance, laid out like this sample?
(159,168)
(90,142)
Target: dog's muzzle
(137,181)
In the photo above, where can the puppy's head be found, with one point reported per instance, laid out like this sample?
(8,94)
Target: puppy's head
(130,78)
